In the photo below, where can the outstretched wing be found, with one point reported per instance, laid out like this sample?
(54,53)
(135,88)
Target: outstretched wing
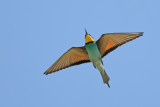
(108,42)
(74,56)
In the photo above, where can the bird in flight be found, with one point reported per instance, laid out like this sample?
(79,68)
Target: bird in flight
(93,51)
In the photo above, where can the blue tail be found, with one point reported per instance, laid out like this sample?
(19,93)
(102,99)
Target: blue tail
(103,74)
(105,77)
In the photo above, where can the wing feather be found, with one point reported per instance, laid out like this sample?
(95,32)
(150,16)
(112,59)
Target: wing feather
(74,56)
(109,42)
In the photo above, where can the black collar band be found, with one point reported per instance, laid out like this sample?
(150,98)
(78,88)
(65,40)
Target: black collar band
(90,42)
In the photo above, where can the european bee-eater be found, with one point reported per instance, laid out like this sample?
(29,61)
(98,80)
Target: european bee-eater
(93,51)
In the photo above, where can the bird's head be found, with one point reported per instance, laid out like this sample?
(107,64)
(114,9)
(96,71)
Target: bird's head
(88,38)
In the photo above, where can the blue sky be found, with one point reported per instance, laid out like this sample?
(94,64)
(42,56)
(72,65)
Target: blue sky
(35,33)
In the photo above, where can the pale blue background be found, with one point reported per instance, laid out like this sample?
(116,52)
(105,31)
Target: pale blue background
(35,33)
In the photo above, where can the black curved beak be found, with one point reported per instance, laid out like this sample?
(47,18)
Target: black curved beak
(86,32)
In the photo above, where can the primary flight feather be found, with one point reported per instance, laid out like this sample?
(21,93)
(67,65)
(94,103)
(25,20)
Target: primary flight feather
(93,51)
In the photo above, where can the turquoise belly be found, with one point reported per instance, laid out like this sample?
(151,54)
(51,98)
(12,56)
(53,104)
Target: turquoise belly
(93,52)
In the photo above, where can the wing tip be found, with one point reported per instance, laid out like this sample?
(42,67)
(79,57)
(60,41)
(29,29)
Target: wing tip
(45,73)
(141,33)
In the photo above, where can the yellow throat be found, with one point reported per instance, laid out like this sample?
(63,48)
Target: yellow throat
(88,39)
